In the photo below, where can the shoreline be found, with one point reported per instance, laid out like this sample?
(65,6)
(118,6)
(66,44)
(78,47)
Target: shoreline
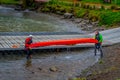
(84,24)
(107,68)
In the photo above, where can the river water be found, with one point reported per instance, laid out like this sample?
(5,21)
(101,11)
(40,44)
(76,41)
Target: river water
(68,64)
(29,21)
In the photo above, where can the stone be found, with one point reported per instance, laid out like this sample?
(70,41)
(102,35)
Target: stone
(78,20)
(39,68)
(68,15)
(88,74)
(95,22)
(33,72)
(45,70)
(53,69)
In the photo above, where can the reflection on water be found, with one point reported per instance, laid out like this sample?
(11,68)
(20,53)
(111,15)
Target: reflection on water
(28,63)
(28,21)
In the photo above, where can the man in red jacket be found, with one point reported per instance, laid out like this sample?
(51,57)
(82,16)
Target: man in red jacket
(28,41)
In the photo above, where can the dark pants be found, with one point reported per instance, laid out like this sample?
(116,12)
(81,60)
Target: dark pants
(29,53)
(99,48)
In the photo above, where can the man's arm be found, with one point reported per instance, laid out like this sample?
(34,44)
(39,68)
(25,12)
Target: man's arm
(101,38)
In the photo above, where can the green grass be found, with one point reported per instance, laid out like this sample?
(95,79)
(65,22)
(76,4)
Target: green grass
(117,2)
(80,12)
(61,3)
(110,18)
(9,1)
(92,1)
(106,17)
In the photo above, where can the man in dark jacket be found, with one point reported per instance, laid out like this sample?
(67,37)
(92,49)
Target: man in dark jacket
(98,46)
(28,41)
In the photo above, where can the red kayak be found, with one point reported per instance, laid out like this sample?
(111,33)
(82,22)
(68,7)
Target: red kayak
(63,42)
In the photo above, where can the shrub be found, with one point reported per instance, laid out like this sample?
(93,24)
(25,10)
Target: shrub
(102,7)
(94,1)
(80,13)
(113,7)
(94,15)
(45,9)
(109,18)
(9,1)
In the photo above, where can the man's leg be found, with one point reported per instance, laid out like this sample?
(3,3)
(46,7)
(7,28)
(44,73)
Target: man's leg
(95,49)
(101,52)
(28,54)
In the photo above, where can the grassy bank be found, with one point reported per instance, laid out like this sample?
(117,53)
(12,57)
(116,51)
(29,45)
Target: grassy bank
(106,14)
(94,10)
(9,1)
(113,2)
(93,1)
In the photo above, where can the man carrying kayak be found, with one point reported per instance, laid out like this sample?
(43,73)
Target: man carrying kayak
(28,41)
(98,46)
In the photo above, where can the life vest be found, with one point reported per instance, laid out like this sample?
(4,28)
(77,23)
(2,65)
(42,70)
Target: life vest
(28,41)
(99,37)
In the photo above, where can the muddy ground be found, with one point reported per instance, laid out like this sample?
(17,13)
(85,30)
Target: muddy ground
(106,69)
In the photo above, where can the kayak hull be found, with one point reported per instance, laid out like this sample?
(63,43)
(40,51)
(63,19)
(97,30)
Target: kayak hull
(63,42)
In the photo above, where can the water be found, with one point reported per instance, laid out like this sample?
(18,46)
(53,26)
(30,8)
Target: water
(68,65)
(28,21)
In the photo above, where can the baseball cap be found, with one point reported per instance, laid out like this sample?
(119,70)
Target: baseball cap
(30,35)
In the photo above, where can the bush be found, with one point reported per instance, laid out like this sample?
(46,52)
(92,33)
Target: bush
(102,7)
(45,9)
(9,1)
(80,13)
(94,15)
(113,7)
(105,17)
(94,1)
(109,18)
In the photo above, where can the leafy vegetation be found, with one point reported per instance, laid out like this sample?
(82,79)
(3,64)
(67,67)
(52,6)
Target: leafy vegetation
(9,1)
(93,1)
(110,18)
(105,15)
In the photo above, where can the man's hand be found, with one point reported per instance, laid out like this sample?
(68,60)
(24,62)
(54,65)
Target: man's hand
(30,48)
